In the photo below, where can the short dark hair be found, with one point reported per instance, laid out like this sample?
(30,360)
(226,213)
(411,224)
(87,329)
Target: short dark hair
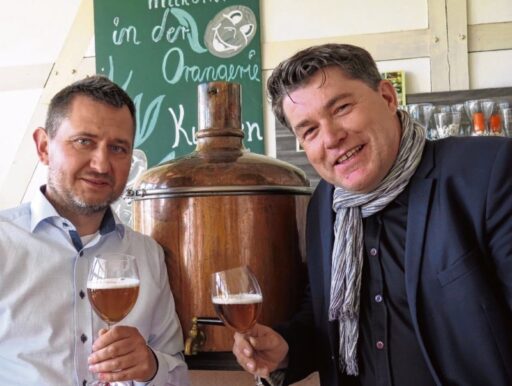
(97,87)
(289,75)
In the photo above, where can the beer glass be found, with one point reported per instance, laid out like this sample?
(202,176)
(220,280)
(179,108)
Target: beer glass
(112,288)
(237,299)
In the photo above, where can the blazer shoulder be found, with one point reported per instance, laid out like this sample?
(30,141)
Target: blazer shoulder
(462,144)
(467,154)
(320,204)
(322,191)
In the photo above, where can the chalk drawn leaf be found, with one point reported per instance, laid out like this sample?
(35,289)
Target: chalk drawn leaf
(148,124)
(186,20)
(111,73)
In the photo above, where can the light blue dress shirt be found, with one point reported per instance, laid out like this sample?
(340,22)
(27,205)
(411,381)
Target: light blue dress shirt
(46,323)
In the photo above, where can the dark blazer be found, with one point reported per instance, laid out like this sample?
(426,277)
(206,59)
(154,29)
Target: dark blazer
(458,268)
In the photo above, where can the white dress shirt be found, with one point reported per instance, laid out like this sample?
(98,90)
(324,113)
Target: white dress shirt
(47,326)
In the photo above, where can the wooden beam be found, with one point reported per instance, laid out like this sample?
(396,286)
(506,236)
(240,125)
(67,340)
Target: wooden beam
(439,66)
(382,46)
(457,17)
(490,37)
(63,72)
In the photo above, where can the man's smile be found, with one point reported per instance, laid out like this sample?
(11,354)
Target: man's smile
(349,154)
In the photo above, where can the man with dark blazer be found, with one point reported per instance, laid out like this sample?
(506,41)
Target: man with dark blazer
(409,242)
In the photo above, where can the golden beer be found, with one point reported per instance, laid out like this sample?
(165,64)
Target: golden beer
(113,299)
(239,311)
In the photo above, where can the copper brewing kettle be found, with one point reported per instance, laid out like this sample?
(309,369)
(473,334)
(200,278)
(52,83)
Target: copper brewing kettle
(220,207)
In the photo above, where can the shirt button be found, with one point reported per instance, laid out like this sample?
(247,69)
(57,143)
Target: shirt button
(83,338)
(378,298)
(82,294)
(379,345)
(373,251)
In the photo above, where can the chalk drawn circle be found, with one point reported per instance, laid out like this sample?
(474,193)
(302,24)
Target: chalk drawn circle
(230,31)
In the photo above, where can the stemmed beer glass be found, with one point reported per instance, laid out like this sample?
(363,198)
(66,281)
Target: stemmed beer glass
(237,299)
(112,288)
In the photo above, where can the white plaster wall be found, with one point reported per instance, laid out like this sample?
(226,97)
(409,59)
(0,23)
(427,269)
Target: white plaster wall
(16,107)
(490,69)
(306,19)
(31,36)
(32,31)
(489,11)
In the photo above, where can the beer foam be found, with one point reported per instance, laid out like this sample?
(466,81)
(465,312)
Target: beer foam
(238,299)
(124,282)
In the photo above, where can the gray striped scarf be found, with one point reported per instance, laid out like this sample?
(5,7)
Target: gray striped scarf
(347,254)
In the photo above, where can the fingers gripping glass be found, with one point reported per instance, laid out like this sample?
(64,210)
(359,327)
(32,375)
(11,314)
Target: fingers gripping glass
(237,299)
(112,288)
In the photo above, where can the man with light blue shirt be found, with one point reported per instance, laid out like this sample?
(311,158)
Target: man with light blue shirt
(48,332)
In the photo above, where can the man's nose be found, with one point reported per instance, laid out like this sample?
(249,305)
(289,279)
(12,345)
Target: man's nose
(100,161)
(333,134)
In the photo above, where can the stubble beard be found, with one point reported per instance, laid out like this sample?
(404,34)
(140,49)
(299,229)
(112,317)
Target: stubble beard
(85,208)
(70,202)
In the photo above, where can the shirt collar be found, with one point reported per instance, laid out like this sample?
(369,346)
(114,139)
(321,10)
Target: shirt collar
(43,211)
(111,223)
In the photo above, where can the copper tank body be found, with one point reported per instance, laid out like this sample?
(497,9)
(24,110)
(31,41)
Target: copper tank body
(221,207)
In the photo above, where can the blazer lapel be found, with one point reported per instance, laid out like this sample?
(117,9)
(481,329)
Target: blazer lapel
(420,189)
(419,202)
(420,192)
(327,241)
(326,222)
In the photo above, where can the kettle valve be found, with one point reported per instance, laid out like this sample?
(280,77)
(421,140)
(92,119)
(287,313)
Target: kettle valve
(196,337)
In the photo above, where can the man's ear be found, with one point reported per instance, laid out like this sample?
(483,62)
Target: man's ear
(42,142)
(388,92)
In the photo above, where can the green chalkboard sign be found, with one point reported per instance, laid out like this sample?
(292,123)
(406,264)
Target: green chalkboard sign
(160,50)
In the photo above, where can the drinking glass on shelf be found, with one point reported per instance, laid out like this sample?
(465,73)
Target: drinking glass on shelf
(465,124)
(112,288)
(447,124)
(237,299)
(432,122)
(492,117)
(506,115)
(476,114)
(503,105)
(442,108)
(422,112)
